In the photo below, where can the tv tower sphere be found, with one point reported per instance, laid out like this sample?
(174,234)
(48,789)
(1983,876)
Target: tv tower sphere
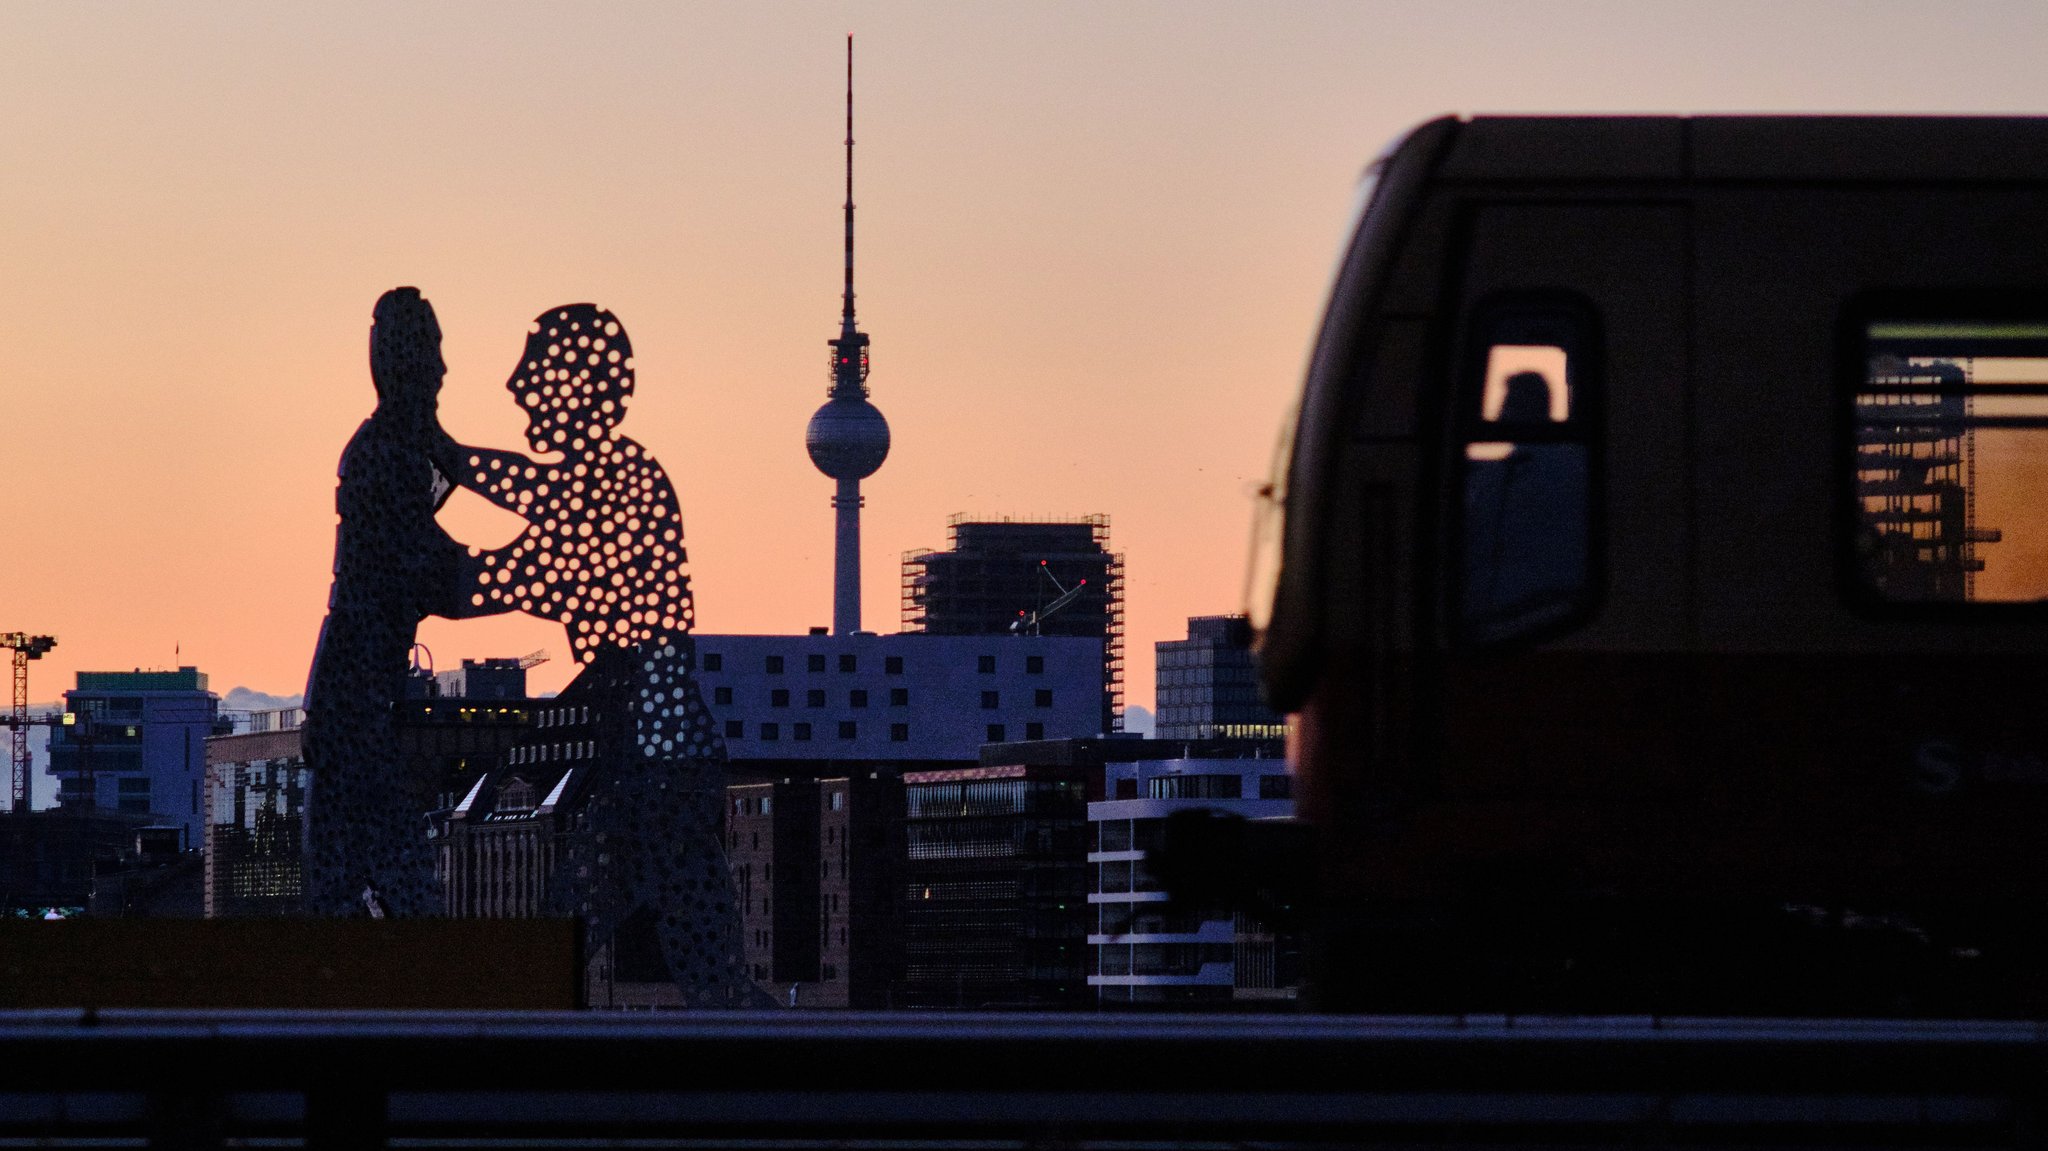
(848,439)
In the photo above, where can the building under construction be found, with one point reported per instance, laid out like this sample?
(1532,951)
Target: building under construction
(1033,577)
(1916,480)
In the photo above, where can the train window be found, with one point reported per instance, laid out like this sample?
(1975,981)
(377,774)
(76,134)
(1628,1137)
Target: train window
(1951,461)
(1527,473)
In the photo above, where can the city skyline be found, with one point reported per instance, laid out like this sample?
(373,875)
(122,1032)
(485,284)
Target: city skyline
(1097,244)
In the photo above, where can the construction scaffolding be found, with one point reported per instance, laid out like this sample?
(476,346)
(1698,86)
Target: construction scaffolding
(1915,481)
(999,570)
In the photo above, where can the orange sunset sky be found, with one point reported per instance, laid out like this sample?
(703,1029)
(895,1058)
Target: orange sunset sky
(1094,242)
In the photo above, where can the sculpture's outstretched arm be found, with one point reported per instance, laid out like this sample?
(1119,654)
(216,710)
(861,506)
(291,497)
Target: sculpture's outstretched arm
(468,595)
(498,476)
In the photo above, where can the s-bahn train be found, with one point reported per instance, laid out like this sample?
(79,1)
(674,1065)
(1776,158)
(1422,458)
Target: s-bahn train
(1663,585)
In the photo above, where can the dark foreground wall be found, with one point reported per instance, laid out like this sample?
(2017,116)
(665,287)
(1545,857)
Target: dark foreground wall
(291,963)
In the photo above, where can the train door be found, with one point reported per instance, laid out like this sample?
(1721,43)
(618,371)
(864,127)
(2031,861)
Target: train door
(1563,592)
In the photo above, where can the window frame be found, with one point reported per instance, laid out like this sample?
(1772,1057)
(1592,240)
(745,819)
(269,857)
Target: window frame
(1489,322)
(1906,305)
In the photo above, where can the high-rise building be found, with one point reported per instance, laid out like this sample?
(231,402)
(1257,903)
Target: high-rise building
(1207,686)
(1023,577)
(847,438)
(136,743)
(995,887)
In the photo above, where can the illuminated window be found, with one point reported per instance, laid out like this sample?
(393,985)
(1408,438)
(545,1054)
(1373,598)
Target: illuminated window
(1526,447)
(1950,460)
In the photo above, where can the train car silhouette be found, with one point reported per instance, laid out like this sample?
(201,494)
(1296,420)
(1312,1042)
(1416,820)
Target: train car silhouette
(1663,585)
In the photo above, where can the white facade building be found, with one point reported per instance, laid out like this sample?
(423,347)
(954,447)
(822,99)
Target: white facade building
(905,697)
(1143,954)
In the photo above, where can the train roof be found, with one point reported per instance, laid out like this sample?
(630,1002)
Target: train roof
(1746,148)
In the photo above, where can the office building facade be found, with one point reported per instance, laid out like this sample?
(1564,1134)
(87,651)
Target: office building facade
(1144,952)
(136,744)
(1207,686)
(809,706)
(995,888)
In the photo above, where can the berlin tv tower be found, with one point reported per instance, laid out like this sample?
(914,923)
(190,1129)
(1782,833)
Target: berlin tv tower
(848,439)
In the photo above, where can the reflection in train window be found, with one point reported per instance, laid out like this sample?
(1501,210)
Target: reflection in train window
(1951,461)
(1526,498)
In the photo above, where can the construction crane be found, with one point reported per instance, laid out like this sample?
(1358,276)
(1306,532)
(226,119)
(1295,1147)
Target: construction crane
(533,659)
(1027,622)
(25,647)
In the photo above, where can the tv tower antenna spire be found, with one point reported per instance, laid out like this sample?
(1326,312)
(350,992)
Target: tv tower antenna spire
(846,312)
(847,438)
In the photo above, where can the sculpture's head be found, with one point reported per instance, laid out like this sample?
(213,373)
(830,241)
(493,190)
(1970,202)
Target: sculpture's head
(576,377)
(405,352)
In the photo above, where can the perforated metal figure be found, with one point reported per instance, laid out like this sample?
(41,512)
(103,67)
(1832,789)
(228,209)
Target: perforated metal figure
(393,566)
(603,555)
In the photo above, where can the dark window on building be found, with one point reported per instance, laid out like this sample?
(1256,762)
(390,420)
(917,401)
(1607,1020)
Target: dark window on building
(774,665)
(849,662)
(1042,697)
(770,731)
(815,662)
(1527,473)
(1034,731)
(735,729)
(899,697)
(713,661)
(1196,787)
(779,697)
(991,700)
(848,729)
(858,697)
(892,665)
(1276,787)
(1034,665)
(815,697)
(802,732)
(899,732)
(986,664)
(995,733)
(721,695)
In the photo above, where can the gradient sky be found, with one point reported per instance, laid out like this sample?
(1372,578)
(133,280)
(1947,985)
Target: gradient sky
(1095,239)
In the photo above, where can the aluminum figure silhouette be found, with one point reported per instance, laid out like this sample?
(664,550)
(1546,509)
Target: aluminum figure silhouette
(603,556)
(393,566)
